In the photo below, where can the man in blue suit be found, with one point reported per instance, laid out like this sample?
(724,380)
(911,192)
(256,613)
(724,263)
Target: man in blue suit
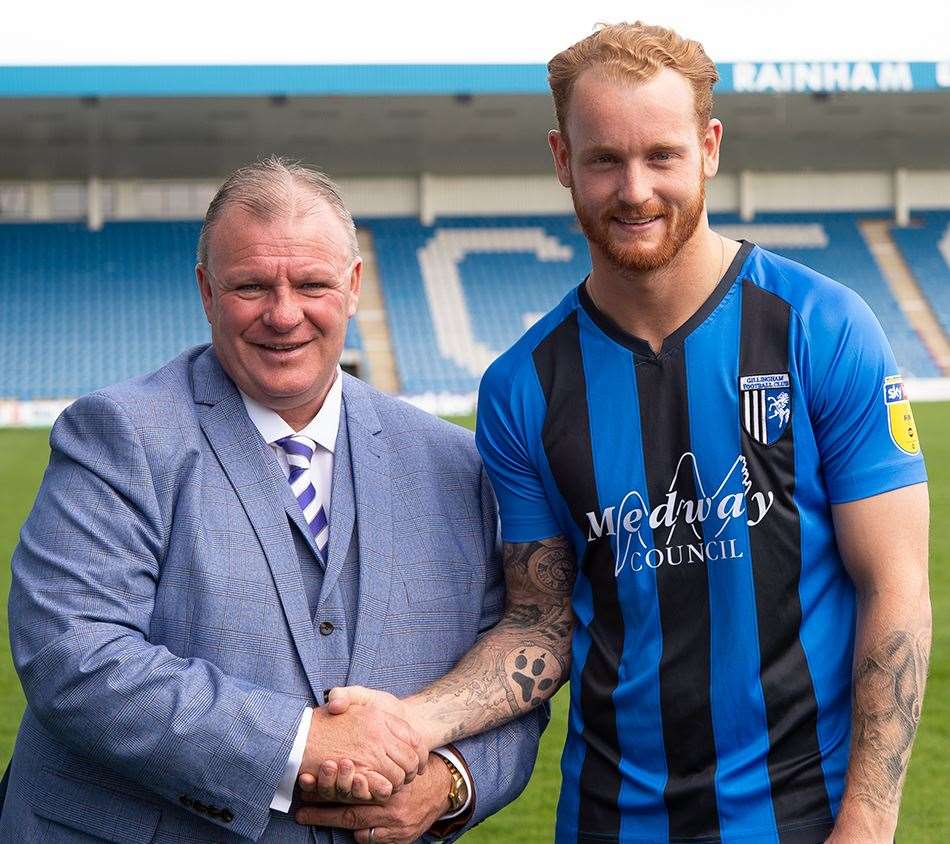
(218,542)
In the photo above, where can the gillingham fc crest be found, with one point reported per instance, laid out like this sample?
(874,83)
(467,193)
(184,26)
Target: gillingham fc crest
(765,405)
(900,418)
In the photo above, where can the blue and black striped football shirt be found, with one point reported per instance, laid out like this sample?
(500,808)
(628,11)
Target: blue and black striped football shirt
(712,655)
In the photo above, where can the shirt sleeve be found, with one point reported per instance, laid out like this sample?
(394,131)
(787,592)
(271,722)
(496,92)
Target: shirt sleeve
(455,758)
(285,788)
(861,414)
(510,410)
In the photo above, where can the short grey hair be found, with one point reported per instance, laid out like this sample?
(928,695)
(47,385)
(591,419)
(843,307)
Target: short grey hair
(270,187)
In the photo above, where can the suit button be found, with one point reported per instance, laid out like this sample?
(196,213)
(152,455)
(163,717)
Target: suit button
(226,815)
(199,806)
(326,628)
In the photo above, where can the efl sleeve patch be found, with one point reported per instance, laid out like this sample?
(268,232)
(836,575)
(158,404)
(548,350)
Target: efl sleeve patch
(900,418)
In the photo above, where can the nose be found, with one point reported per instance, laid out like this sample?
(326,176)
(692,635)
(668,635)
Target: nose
(636,186)
(282,314)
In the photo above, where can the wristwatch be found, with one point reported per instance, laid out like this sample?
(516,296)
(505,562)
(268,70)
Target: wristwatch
(458,792)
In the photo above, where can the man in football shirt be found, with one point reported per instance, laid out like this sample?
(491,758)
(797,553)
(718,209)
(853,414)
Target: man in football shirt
(705,451)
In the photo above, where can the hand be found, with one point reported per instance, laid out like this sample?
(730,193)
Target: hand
(380,745)
(406,816)
(333,781)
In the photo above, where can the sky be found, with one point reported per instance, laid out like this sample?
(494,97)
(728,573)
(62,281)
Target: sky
(203,32)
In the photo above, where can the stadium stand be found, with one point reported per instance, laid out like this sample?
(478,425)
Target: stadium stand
(84,309)
(925,246)
(842,254)
(459,292)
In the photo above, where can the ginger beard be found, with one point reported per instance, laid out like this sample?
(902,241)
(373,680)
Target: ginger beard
(629,255)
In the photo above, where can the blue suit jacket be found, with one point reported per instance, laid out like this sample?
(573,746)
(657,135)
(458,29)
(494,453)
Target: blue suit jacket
(160,624)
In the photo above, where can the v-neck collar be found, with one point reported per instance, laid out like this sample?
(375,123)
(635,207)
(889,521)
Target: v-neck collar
(641,347)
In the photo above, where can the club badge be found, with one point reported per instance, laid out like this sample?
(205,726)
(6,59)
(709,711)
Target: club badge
(765,405)
(900,418)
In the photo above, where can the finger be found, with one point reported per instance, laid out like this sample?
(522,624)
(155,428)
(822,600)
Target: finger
(381,835)
(344,779)
(338,701)
(380,788)
(408,734)
(390,770)
(360,789)
(341,698)
(307,782)
(342,817)
(405,756)
(423,752)
(413,740)
(326,780)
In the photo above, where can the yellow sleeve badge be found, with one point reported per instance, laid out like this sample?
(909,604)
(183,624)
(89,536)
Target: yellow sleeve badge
(900,418)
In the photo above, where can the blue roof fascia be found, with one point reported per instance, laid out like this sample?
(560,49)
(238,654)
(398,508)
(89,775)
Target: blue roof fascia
(433,79)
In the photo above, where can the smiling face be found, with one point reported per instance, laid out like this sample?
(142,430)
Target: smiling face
(278,295)
(636,166)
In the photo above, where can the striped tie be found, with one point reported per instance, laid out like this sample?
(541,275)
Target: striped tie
(299,451)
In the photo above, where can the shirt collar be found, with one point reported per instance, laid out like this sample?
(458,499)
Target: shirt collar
(322,429)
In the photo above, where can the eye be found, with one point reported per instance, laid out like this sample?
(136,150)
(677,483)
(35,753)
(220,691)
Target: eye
(250,288)
(662,156)
(312,287)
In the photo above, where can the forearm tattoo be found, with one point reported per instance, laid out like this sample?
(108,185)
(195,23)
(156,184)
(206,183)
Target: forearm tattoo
(521,661)
(888,693)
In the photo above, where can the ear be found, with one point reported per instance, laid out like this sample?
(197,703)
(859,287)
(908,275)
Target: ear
(203,278)
(355,283)
(562,157)
(712,139)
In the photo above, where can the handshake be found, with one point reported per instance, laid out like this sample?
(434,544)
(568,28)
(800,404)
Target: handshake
(366,768)
(361,748)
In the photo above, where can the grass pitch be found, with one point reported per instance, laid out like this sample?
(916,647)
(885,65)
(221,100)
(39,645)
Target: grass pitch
(925,813)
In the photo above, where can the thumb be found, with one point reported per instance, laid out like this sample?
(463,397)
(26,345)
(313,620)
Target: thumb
(341,699)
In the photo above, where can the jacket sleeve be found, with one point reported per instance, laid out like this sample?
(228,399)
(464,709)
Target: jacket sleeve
(85,575)
(500,760)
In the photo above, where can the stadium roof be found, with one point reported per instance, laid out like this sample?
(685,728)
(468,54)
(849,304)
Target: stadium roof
(206,137)
(420,86)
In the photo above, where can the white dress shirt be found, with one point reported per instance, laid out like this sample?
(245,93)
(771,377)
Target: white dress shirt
(322,429)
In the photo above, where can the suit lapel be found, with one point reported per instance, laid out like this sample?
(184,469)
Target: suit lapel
(342,509)
(373,493)
(259,484)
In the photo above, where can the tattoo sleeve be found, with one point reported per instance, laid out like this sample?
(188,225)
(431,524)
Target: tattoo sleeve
(888,692)
(522,660)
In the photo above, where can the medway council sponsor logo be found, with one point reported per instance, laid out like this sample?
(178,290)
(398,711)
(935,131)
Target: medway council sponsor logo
(707,516)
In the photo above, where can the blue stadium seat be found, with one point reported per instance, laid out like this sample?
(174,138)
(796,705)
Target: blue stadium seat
(925,246)
(461,291)
(844,256)
(85,309)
